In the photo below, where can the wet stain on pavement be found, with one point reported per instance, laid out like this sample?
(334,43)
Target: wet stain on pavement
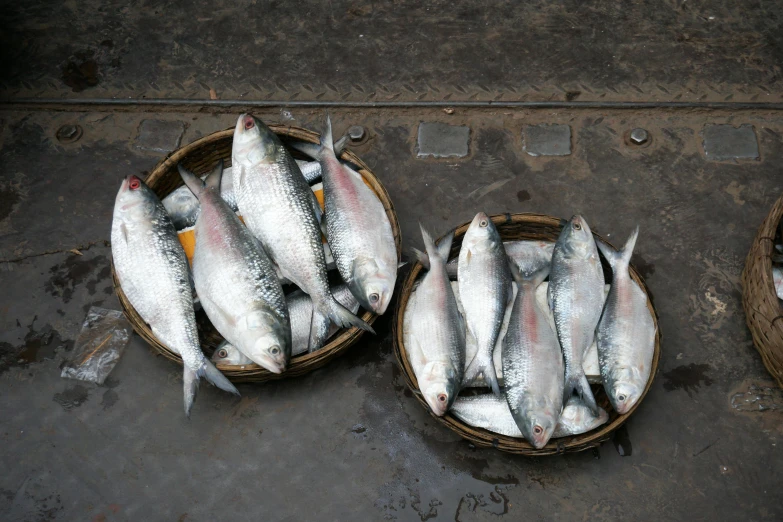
(622,442)
(689,377)
(82,75)
(8,200)
(73,397)
(75,270)
(523,195)
(109,399)
(37,346)
(644,268)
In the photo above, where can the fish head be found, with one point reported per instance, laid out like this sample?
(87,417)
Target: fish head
(439,387)
(576,238)
(372,285)
(265,340)
(135,201)
(227,353)
(481,234)
(254,142)
(539,419)
(624,388)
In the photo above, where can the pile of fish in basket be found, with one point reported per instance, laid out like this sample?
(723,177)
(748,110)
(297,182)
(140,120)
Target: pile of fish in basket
(241,263)
(532,321)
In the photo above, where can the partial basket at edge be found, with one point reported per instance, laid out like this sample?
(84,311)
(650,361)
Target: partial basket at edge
(522,227)
(200,157)
(759,299)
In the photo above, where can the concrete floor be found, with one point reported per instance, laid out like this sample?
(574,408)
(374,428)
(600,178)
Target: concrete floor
(348,442)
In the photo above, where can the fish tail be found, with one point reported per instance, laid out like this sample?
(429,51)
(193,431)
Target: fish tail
(214,376)
(421,257)
(214,177)
(311,149)
(319,330)
(483,364)
(326,137)
(190,387)
(532,280)
(578,383)
(340,144)
(440,251)
(343,317)
(192,181)
(621,258)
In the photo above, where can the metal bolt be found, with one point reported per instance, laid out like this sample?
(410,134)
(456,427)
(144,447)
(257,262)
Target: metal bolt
(69,133)
(356,133)
(639,136)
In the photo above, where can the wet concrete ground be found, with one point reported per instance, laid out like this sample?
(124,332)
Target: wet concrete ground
(348,442)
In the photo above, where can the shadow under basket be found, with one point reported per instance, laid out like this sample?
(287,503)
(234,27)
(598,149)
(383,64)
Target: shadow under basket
(200,157)
(514,227)
(763,312)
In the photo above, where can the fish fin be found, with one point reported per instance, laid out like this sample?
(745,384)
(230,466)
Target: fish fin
(452,270)
(468,256)
(324,229)
(340,144)
(444,248)
(421,257)
(326,136)
(192,181)
(305,147)
(344,318)
(124,231)
(319,331)
(481,364)
(242,173)
(190,386)
(401,264)
(316,208)
(214,177)
(622,257)
(226,317)
(214,376)
(578,383)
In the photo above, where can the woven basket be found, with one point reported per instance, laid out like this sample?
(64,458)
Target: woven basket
(762,307)
(521,227)
(200,157)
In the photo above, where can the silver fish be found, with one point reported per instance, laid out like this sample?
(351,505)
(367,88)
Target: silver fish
(183,207)
(485,290)
(358,229)
(227,353)
(278,207)
(532,363)
(433,330)
(529,256)
(576,296)
(235,280)
(300,310)
(626,333)
(153,272)
(492,414)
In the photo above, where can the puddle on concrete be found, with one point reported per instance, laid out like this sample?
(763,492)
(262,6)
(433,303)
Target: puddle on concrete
(72,397)
(80,76)
(75,270)
(689,378)
(37,346)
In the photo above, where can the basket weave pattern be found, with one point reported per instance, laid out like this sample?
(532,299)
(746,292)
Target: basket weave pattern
(759,299)
(521,227)
(200,157)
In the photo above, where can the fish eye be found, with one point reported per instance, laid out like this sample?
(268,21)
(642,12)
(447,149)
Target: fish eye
(274,350)
(134,183)
(483,223)
(374,297)
(538,430)
(249,123)
(577,226)
(442,397)
(222,353)
(621,398)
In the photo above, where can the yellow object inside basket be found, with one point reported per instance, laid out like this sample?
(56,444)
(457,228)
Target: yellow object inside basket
(187,236)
